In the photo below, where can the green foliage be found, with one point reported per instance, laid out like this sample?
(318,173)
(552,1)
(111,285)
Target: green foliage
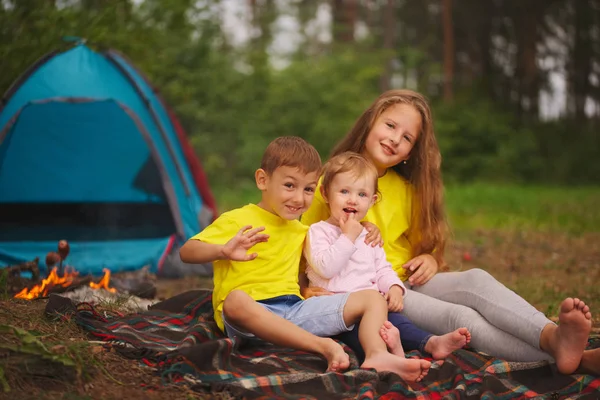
(478,143)
(232,102)
(31,345)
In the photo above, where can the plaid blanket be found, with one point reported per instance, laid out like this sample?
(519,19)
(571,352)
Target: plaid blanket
(181,340)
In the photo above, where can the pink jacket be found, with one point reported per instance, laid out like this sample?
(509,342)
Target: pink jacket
(338,265)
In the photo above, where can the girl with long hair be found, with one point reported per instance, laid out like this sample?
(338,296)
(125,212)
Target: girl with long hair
(396,134)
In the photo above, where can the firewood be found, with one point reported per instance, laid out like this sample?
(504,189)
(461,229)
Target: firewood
(27,266)
(77,282)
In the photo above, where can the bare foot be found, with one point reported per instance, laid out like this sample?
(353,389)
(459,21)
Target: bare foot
(569,339)
(337,359)
(590,362)
(441,347)
(391,336)
(409,369)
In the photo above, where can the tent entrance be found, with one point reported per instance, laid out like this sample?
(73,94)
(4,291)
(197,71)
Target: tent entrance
(80,170)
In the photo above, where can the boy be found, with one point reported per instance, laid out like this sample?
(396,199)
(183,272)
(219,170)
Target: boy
(257,294)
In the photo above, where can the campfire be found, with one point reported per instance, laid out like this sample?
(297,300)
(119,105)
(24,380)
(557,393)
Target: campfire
(55,281)
(66,280)
(62,279)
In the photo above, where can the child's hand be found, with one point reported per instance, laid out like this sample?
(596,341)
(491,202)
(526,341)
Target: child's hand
(237,247)
(395,299)
(314,291)
(424,266)
(350,226)
(374,234)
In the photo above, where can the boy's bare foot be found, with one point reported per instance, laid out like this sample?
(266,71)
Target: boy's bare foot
(590,362)
(391,336)
(567,341)
(409,369)
(441,347)
(337,359)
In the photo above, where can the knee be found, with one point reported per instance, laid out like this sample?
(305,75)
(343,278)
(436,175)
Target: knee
(234,304)
(372,298)
(462,316)
(476,277)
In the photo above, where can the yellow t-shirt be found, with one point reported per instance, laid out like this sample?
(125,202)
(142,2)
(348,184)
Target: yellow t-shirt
(391,213)
(273,273)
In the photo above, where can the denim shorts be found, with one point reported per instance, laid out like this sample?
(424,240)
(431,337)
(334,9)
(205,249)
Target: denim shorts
(320,315)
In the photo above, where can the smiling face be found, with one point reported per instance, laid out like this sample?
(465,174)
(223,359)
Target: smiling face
(392,136)
(287,192)
(349,194)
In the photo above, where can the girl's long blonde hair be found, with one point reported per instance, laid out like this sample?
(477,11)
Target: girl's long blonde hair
(422,170)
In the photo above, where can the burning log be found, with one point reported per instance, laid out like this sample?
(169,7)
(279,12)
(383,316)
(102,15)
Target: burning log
(53,280)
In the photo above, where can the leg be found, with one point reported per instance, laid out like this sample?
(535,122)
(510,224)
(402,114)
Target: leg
(590,362)
(439,317)
(351,339)
(441,347)
(240,309)
(371,308)
(413,337)
(501,306)
(506,310)
(399,334)
(567,342)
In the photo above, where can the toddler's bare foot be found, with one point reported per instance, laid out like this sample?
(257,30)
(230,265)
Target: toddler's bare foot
(337,359)
(391,336)
(569,339)
(409,369)
(441,347)
(590,362)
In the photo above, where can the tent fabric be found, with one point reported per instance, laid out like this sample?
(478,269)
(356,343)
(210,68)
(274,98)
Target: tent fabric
(198,175)
(89,152)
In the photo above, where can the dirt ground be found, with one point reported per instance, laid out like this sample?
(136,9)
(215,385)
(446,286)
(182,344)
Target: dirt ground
(543,268)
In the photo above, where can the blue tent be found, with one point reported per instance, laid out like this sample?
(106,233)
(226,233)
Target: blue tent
(89,153)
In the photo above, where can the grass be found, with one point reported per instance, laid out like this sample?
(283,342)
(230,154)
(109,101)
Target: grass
(511,207)
(43,358)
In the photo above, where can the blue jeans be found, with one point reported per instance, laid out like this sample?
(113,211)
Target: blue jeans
(320,315)
(412,338)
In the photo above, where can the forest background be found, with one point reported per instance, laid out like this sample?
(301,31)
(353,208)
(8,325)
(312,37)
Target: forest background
(514,85)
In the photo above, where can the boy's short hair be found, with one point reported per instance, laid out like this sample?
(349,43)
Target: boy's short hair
(349,162)
(291,151)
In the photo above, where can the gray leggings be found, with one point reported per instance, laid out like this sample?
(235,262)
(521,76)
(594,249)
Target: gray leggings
(502,324)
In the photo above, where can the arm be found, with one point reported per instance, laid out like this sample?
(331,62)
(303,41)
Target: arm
(197,251)
(423,268)
(303,282)
(373,237)
(326,258)
(389,283)
(385,275)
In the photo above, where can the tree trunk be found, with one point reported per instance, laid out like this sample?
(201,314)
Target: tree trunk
(344,19)
(448,50)
(385,82)
(581,58)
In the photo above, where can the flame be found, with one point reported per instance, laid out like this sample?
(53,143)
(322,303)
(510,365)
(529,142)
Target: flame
(52,280)
(103,284)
